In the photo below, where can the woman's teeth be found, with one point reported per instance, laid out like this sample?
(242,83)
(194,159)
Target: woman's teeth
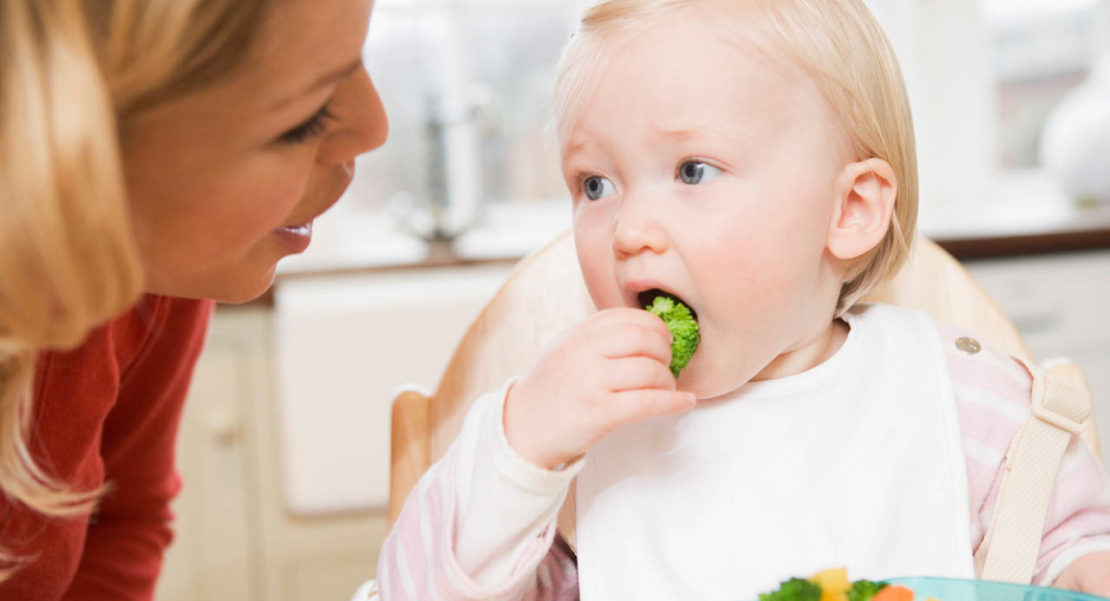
(300,230)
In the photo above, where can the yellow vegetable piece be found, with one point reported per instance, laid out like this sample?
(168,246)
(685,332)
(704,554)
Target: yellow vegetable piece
(834,584)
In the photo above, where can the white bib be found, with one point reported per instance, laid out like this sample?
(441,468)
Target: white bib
(856,463)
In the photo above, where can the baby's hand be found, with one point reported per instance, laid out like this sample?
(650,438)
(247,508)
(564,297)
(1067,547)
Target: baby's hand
(1088,574)
(611,369)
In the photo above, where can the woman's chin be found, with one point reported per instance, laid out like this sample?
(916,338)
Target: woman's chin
(226,288)
(246,291)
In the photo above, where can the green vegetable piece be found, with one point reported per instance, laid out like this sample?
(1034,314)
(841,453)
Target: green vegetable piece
(683,327)
(795,589)
(865,590)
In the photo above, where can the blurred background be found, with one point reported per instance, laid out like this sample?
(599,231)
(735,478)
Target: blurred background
(285,447)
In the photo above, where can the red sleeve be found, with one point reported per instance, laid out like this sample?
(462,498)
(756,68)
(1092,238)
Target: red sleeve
(129,532)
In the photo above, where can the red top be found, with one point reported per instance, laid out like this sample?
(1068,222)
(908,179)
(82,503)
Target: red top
(108,411)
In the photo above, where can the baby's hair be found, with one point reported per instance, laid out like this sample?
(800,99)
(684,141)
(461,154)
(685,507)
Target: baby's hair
(72,72)
(838,43)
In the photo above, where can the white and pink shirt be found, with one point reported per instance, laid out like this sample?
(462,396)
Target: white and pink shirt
(480,524)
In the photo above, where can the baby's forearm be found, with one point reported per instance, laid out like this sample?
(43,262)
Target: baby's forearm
(1088,574)
(479,525)
(508,505)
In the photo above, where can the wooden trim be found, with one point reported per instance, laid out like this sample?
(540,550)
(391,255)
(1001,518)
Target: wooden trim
(993,247)
(409,458)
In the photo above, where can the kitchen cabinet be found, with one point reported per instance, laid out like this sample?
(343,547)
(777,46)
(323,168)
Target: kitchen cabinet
(233,538)
(244,530)
(215,553)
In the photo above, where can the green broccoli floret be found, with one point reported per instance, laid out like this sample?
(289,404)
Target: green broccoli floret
(683,327)
(864,590)
(795,589)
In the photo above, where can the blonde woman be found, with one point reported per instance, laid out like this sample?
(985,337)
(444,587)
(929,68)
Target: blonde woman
(756,160)
(155,155)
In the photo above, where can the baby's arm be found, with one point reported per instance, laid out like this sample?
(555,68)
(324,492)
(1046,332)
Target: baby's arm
(993,398)
(1075,550)
(1090,573)
(610,370)
(479,524)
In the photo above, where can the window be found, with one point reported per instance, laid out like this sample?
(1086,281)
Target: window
(467,86)
(983,79)
(1040,51)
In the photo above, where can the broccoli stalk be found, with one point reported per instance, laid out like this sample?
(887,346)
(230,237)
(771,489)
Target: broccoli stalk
(683,327)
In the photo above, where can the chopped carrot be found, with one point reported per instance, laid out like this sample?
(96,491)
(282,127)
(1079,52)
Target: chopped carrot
(894,593)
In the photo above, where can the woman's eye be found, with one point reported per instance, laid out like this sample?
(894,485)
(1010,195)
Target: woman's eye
(697,172)
(315,127)
(596,187)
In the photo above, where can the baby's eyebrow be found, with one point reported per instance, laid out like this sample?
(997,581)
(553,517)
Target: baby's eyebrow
(675,134)
(727,134)
(573,148)
(573,151)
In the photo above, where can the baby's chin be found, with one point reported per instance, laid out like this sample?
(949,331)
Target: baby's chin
(706,383)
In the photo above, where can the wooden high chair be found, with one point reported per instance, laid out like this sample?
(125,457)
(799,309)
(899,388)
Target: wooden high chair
(545,294)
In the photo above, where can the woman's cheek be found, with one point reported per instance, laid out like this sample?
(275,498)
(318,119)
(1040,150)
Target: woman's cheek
(274,198)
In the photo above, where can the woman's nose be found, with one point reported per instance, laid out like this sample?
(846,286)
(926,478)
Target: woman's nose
(361,125)
(638,228)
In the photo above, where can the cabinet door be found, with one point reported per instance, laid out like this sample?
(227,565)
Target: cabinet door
(211,556)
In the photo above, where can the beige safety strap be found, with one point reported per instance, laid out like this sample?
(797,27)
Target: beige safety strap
(1010,547)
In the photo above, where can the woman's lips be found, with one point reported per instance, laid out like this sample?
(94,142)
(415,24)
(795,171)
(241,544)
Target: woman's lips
(295,238)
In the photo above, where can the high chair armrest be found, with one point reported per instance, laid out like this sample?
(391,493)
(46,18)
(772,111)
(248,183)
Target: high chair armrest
(409,455)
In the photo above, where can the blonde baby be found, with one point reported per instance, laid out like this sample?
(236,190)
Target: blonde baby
(755,160)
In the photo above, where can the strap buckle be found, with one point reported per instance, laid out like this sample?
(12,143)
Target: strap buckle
(1059,402)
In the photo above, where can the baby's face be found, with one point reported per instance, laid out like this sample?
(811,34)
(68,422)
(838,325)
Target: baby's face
(708,172)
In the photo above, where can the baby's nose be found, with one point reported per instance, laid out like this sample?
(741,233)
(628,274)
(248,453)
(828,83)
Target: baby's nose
(638,228)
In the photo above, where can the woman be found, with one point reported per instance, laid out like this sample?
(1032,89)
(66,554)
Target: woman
(155,156)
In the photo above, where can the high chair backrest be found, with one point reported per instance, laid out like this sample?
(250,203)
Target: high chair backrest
(545,294)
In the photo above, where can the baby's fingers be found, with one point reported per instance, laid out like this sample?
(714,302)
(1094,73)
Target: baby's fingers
(632,373)
(620,341)
(635,405)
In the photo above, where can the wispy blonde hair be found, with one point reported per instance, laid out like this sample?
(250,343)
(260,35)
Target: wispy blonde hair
(71,73)
(838,43)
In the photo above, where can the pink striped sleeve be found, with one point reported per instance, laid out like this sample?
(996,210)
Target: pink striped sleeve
(419,559)
(993,400)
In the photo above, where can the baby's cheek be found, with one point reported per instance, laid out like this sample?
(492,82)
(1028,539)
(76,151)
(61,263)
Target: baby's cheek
(602,288)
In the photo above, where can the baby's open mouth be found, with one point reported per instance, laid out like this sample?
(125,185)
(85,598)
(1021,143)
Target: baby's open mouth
(647,297)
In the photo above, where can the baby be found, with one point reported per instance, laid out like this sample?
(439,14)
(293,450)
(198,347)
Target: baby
(755,160)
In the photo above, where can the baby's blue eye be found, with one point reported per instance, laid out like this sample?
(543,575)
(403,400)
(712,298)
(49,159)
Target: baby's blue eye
(596,187)
(697,172)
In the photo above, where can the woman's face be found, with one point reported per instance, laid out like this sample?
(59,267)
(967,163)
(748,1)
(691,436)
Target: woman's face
(226,180)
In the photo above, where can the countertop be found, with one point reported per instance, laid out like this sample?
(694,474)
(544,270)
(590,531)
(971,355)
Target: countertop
(1074,230)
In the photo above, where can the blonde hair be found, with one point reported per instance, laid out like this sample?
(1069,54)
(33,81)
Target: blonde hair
(838,43)
(71,73)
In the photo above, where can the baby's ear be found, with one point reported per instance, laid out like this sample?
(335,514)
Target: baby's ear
(865,194)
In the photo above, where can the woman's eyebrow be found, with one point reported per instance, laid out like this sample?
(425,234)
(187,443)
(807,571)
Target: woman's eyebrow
(324,80)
